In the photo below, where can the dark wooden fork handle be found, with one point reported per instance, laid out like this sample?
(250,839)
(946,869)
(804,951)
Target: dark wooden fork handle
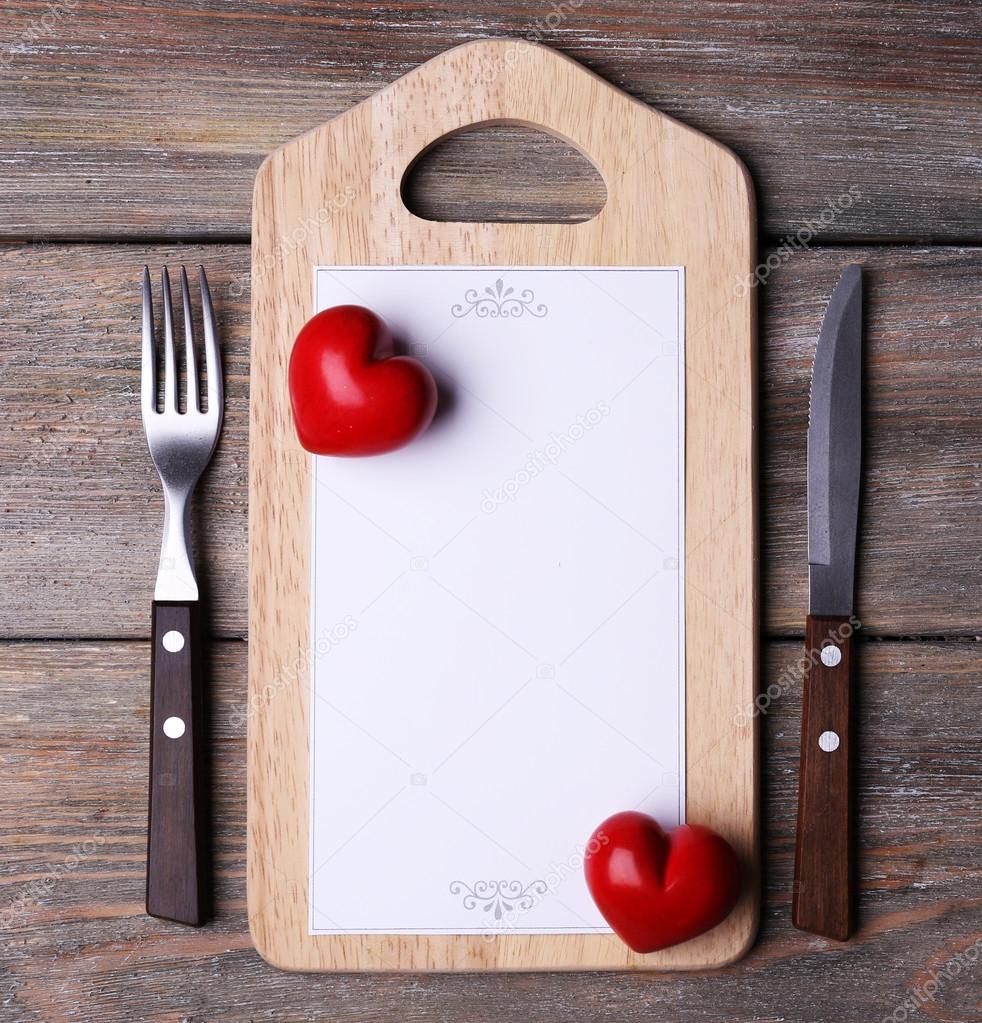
(822,896)
(176,827)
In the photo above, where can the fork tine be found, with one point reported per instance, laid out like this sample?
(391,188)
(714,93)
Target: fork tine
(213,357)
(148,362)
(170,366)
(193,397)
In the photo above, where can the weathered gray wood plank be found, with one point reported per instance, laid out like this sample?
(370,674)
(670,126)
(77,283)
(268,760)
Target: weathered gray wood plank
(920,561)
(79,529)
(80,498)
(142,119)
(76,945)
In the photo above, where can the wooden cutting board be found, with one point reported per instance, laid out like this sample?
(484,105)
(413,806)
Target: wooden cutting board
(675,198)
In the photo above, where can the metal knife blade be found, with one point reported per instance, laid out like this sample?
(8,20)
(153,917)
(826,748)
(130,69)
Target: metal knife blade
(834,450)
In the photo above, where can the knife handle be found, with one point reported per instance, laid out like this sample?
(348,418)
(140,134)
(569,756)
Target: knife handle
(822,894)
(176,825)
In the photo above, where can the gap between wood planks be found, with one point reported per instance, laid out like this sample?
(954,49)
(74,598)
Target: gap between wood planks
(770,637)
(764,241)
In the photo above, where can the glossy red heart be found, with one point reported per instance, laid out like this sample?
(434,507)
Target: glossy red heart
(657,889)
(350,394)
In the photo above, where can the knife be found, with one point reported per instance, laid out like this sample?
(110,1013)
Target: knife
(822,894)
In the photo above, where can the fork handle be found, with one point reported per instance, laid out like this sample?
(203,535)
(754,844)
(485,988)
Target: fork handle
(176,826)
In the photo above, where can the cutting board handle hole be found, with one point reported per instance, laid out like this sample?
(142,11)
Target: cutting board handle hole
(503,173)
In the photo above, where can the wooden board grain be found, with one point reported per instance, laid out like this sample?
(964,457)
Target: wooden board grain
(675,198)
(78,946)
(69,381)
(147,119)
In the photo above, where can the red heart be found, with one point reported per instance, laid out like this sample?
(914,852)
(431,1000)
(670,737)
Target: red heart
(350,394)
(657,889)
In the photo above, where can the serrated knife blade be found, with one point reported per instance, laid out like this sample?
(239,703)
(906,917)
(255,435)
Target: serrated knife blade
(834,449)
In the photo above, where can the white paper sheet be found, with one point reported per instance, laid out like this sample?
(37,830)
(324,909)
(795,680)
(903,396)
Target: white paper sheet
(497,613)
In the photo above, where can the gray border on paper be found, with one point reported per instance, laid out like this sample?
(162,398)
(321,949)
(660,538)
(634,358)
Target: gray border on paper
(680,658)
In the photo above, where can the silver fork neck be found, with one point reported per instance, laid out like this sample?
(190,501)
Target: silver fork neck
(175,575)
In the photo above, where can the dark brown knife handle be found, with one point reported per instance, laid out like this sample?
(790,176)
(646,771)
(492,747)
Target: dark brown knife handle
(822,895)
(176,826)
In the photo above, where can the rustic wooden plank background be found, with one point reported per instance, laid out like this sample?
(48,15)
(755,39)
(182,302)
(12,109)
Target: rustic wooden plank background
(137,128)
(143,118)
(71,378)
(78,947)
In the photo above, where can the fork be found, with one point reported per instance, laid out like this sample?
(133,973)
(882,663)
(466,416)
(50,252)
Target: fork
(181,445)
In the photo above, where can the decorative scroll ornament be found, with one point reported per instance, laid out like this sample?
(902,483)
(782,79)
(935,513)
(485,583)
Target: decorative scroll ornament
(499,897)
(499,302)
